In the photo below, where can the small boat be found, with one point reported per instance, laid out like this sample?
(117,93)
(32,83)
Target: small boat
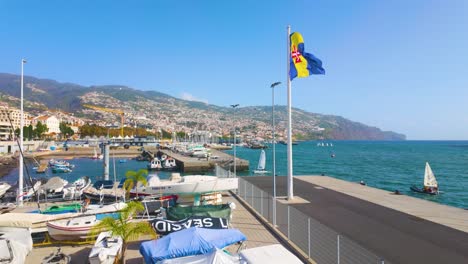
(63,209)
(122,160)
(153,204)
(266,254)
(169,163)
(430,183)
(185,185)
(15,244)
(76,228)
(261,163)
(155,164)
(53,185)
(4,187)
(29,192)
(180,212)
(61,169)
(95,156)
(75,190)
(106,249)
(57,257)
(7,207)
(105,192)
(188,242)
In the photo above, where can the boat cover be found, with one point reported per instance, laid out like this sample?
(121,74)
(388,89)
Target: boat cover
(15,244)
(215,257)
(177,213)
(53,183)
(164,227)
(269,254)
(188,242)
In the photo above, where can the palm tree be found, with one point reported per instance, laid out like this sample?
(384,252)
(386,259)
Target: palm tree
(133,178)
(128,231)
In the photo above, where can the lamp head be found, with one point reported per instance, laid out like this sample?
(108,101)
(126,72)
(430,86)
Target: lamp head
(275,84)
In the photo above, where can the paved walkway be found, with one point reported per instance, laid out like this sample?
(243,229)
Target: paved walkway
(257,235)
(396,236)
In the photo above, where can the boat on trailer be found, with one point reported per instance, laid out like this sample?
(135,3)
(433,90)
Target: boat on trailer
(185,185)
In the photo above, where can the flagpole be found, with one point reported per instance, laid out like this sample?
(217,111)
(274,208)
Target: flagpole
(289,146)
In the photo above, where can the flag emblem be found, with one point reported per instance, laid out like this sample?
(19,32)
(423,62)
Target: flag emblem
(302,64)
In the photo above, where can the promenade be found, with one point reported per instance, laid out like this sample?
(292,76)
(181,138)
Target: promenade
(398,228)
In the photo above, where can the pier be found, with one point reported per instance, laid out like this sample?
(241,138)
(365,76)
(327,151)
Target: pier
(360,224)
(196,165)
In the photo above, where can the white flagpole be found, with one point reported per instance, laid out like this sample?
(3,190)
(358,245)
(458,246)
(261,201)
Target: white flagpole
(290,161)
(21,165)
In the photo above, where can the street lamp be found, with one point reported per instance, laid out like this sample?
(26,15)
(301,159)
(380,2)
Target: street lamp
(234,106)
(21,165)
(273,143)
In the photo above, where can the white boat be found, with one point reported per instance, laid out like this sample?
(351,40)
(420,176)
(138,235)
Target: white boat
(169,163)
(95,156)
(185,185)
(275,253)
(75,190)
(155,164)
(3,188)
(28,193)
(75,228)
(261,163)
(15,244)
(430,182)
(53,185)
(106,249)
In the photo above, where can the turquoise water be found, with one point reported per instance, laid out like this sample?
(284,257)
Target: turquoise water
(385,165)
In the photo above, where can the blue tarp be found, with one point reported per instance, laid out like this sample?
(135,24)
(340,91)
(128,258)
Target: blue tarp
(192,241)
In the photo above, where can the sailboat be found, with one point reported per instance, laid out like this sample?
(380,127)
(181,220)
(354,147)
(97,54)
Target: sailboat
(430,183)
(261,163)
(95,156)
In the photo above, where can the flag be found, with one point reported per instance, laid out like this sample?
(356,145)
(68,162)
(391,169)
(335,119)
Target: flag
(302,64)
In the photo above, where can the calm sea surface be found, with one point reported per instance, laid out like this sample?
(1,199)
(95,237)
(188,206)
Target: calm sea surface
(385,165)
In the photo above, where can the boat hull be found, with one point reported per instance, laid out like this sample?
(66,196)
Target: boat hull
(419,190)
(190,188)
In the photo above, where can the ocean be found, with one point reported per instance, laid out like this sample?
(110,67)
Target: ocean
(386,165)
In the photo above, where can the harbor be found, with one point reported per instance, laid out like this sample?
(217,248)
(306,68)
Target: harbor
(185,163)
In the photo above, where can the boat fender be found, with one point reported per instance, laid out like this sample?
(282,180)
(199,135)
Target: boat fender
(232,205)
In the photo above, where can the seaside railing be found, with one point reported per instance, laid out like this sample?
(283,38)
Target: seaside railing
(316,240)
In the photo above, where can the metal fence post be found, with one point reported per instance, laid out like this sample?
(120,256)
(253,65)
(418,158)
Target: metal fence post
(288,222)
(308,234)
(245,190)
(252,196)
(338,249)
(261,203)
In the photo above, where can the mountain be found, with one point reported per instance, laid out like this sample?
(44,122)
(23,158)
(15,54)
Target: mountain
(157,110)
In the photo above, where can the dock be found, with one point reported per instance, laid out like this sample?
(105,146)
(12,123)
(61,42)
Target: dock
(396,228)
(257,235)
(199,165)
(42,168)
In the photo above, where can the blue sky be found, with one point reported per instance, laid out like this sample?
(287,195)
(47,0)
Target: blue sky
(398,65)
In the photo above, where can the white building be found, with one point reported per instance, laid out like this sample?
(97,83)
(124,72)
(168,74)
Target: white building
(52,122)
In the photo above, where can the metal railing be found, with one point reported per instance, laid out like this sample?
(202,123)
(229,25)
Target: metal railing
(316,240)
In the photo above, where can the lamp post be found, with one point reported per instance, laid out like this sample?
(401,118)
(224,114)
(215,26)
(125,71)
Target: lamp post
(234,106)
(21,165)
(273,143)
